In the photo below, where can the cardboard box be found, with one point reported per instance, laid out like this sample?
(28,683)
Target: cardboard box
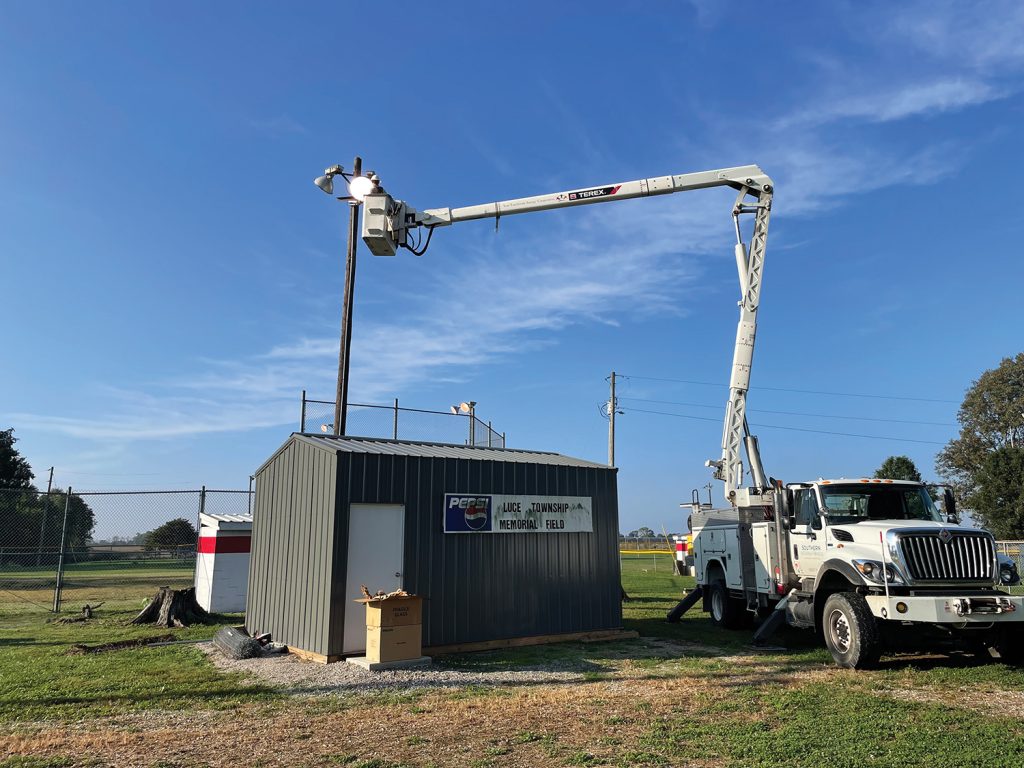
(394,643)
(394,612)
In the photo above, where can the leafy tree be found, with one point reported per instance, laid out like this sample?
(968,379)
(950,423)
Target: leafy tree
(998,499)
(898,468)
(982,462)
(991,417)
(15,472)
(178,532)
(645,532)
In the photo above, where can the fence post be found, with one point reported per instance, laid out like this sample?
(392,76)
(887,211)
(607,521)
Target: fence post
(42,528)
(396,419)
(302,418)
(489,433)
(248,506)
(60,559)
(502,439)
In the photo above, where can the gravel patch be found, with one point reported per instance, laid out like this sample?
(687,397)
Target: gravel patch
(325,679)
(305,677)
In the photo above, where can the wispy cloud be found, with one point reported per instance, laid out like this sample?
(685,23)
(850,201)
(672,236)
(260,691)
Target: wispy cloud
(908,100)
(278,125)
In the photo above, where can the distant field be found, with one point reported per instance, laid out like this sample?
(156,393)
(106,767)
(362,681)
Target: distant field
(120,584)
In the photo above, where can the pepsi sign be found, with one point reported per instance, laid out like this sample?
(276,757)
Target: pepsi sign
(501,513)
(466,513)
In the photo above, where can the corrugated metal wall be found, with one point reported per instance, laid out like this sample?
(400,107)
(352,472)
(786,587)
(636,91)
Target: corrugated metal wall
(477,587)
(491,586)
(293,540)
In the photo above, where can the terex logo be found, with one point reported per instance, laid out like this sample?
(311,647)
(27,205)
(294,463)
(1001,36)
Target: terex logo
(587,194)
(467,513)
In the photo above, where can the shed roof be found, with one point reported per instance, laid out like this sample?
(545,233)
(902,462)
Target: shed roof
(226,522)
(437,450)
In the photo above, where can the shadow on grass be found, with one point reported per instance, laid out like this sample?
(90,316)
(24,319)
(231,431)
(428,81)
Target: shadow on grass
(108,699)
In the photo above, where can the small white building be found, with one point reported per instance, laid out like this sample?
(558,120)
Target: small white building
(222,562)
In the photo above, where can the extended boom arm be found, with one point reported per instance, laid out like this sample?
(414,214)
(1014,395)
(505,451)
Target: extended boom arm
(387,223)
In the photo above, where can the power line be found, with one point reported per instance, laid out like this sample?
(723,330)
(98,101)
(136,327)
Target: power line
(795,413)
(792,429)
(800,391)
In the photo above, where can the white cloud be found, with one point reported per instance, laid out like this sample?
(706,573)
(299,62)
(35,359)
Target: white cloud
(982,34)
(908,100)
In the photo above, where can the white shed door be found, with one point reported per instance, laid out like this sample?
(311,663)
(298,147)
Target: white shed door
(376,545)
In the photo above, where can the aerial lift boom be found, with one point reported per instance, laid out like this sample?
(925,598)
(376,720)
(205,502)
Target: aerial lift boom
(388,223)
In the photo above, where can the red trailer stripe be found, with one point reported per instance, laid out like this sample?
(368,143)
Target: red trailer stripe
(209,545)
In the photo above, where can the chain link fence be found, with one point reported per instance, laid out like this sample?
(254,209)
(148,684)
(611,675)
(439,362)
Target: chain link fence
(396,422)
(68,548)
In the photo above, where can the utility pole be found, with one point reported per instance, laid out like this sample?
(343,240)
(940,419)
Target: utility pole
(341,398)
(612,407)
(42,526)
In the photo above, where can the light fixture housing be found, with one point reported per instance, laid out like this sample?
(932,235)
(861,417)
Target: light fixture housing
(325,182)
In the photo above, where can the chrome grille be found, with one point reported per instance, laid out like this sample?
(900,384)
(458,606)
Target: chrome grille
(961,557)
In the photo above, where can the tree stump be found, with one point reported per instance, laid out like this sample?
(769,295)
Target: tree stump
(173,608)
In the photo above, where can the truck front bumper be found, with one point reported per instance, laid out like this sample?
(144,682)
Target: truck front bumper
(949,609)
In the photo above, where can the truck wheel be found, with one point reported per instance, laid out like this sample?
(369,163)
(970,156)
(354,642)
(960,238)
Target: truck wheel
(851,633)
(725,611)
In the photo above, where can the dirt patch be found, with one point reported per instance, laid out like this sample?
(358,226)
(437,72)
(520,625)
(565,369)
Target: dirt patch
(995,703)
(528,727)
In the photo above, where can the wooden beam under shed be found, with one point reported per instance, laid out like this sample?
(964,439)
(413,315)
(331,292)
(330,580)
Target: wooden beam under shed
(604,635)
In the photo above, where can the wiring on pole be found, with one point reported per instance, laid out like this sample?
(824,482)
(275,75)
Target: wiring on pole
(792,429)
(796,413)
(798,391)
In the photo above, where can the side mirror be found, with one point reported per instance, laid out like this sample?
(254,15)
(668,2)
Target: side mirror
(784,509)
(949,506)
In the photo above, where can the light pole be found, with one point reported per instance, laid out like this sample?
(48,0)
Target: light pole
(469,409)
(359,187)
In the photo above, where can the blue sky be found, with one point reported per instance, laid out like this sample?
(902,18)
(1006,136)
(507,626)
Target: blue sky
(172,278)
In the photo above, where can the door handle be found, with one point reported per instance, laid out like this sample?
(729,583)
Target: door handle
(398,575)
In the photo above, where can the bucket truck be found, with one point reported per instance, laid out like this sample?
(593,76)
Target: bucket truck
(871,565)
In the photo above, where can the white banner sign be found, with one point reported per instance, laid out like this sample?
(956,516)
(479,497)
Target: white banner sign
(500,513)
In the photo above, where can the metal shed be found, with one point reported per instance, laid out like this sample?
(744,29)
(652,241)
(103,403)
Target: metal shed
(451,523)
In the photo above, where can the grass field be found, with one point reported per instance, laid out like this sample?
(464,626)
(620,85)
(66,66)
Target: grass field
(684,694)
(120,585)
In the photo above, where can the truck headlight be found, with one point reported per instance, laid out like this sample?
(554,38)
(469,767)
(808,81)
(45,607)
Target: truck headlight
(1008,575)
(872,571)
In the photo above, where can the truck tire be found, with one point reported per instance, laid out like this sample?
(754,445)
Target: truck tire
(725,611)
(851,633)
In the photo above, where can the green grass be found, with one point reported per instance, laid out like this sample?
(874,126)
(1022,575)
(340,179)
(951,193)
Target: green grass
(40,681)
(121,585)
(828,724)
(748,709)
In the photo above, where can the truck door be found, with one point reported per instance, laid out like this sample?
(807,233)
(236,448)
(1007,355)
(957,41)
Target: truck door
(807,539)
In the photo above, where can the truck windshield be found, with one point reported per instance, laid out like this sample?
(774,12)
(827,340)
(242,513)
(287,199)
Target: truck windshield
(853,503)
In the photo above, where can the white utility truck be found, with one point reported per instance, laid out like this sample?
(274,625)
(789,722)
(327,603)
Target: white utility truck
(867,563)
(873,565)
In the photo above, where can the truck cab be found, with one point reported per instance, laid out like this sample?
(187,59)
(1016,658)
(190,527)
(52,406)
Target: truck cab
(869,564)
